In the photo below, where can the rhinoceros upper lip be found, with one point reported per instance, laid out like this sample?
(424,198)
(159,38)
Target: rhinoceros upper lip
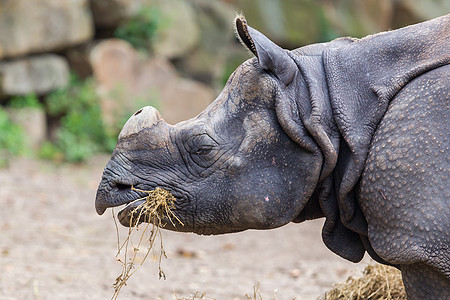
(114,194)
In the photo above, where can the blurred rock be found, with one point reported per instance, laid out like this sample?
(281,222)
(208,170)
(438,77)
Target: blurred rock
(38,74)
(359,18)
(78,58)
(290,23)
(29,26)
(207,61)
(408,12)
(128,81)
(180,33)
(295,273)
(33,122)
(293,23)
(109,13)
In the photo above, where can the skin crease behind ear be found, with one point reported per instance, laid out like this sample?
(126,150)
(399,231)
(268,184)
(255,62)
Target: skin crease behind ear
(297,108)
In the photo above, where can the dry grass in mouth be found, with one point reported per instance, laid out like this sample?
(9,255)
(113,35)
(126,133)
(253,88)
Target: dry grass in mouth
(156,209)
(378,282)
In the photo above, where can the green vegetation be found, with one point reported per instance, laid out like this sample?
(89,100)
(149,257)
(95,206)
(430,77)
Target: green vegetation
(141,29)
(12,138)
(81,132)
(76,115)
(26,101)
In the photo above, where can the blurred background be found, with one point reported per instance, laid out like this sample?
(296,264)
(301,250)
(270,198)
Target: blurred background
(73,71)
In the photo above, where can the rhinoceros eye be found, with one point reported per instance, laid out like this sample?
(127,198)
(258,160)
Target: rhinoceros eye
(202,149)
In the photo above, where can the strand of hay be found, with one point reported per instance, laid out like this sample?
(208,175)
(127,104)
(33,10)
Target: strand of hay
(379,282)
(158,205)
(256,294)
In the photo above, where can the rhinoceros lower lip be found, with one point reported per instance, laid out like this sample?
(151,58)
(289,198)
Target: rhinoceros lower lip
(130,209)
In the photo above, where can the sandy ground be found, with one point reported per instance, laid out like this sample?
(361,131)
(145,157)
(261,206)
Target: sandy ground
(54,246)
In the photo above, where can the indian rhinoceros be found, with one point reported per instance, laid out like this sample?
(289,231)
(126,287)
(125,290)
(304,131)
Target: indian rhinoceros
(353,130)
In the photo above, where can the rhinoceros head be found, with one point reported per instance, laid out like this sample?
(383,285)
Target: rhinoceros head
(238,165)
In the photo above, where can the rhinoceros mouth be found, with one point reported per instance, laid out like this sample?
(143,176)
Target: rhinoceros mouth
(114,194)
(136,212)
(129,197)
(130,211)
(120,195)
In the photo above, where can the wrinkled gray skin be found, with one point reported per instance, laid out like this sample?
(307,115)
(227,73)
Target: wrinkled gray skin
(355,131)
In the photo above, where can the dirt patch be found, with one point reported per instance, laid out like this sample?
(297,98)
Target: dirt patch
(54,246)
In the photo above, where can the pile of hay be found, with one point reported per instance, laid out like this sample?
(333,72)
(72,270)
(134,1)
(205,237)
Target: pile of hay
(157,206)
(378,282)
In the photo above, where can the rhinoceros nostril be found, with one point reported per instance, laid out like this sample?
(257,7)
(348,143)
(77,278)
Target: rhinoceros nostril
(123,187)
(138,112)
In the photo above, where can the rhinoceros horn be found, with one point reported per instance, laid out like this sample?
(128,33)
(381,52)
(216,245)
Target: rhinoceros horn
(146,117)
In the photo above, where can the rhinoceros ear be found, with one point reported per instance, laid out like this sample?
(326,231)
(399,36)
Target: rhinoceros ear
(270,56)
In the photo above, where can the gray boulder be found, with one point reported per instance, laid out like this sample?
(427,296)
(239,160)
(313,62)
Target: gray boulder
(109,13)
(171,41)
(34,124)
(127,80)
(38,74)
(28,26)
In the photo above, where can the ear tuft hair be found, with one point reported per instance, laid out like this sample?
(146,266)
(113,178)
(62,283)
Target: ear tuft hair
(271,57)
(240,26)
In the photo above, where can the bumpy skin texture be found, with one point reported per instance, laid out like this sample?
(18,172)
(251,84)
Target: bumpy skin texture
(355,131)
(406,183)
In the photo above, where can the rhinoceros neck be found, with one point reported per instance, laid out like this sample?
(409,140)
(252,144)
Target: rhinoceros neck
(314,109)
(362,77)
(316,114)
